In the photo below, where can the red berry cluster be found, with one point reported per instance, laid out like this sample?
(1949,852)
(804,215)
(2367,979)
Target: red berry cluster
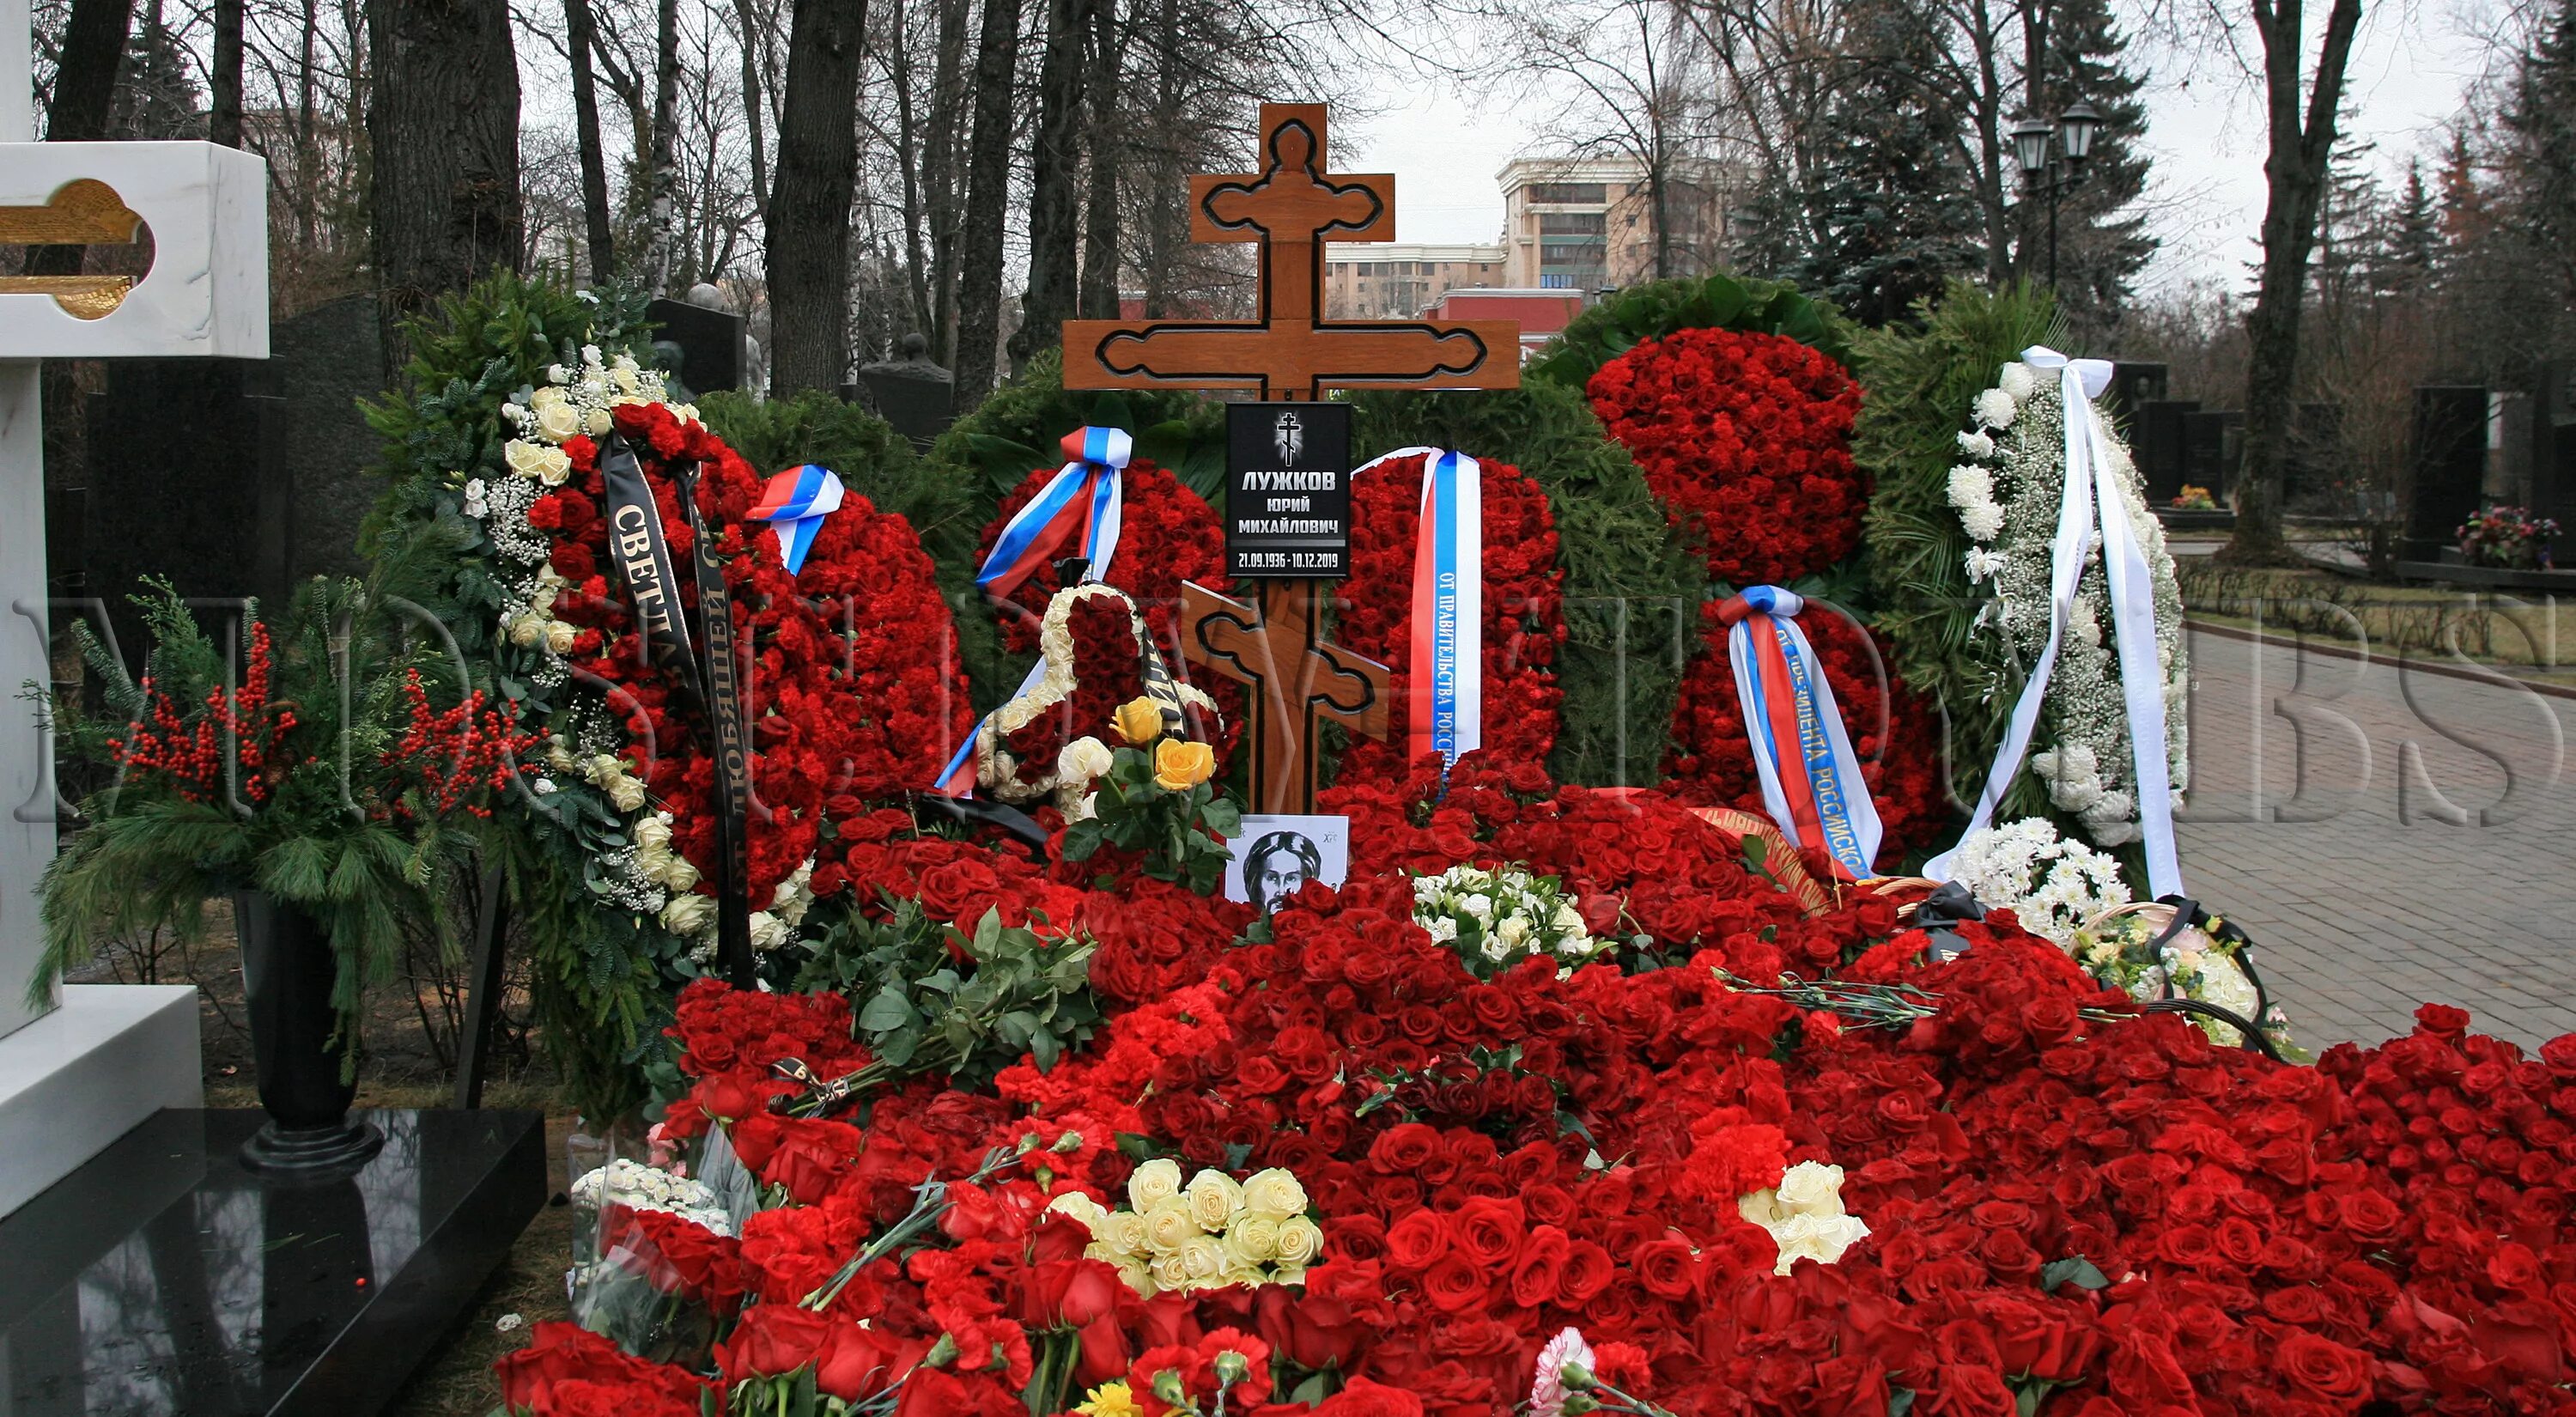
(461,752)
(191,756)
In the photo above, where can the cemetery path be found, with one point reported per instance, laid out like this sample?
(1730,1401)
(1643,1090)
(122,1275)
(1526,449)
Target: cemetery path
(2387,836)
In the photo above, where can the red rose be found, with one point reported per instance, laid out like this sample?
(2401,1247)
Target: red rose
(1454,1285)
(1667,1268)
(1362,1398)
(2321,1368)
(771,1340)
(857,1362)
(1418,1240)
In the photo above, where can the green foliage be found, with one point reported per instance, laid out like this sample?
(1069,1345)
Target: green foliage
(932,999)
(1920,389)
(1016,430)
(1659,308)
(319,822)
(1182,834)
(1632,588)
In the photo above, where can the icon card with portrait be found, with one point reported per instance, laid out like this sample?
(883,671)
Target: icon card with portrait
(1275,856)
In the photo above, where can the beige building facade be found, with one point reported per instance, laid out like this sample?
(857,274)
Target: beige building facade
(1589,223)
(1396,279)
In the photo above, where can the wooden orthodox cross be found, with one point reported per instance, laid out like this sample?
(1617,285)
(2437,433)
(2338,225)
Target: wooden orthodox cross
(1289,351)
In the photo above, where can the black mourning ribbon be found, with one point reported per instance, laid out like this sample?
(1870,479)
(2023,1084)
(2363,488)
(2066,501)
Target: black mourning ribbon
(1948,906)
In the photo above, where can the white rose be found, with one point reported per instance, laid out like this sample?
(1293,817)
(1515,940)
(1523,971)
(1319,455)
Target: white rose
(1153,1183)
(1202,1259)
(768,932)
(528,631)
(1213,1198)
(1811,1188)
(1123,1231)
(1093,1215)
(653,833)
(622,374)
(534,460)
(475,506)
(556,418)
(597,424)
(1082,760)
(1299,1242)
(688,914)
(1169,1224)
(560,634)
(1253,1240)
(1276,1193)
(678,875)
(1762,1207)
(626,794)
(1821,1238)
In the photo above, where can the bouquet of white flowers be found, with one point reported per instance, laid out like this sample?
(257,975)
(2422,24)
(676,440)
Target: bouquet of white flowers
(1497,918)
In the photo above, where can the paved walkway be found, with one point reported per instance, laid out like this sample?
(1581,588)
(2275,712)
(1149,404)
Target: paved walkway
(2387,836)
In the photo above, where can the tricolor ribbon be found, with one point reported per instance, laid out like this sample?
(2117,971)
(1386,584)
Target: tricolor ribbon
(794,504)
(1447,665)
(1811,778)
(2092,482)
(1081,505)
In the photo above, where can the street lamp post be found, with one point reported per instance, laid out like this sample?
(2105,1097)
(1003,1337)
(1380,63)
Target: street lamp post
(2050,177)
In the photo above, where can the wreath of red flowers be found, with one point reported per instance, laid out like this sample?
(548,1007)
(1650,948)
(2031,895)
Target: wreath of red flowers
(1746,438)
(1711,761)
(853,680)
(1524,611)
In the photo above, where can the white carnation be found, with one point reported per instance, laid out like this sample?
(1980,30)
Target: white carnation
(1995,409)
(1979,445)
(1983,523)
(2018,379)
(1971,486)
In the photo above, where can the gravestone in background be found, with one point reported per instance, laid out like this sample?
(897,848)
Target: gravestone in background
(2134,385)
(2553,453)
(709,344)
(2155,441)
(232,478)
(913,394)
(2213,443)
(2449,466)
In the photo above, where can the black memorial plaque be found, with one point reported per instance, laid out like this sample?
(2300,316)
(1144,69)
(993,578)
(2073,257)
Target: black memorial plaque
(1287,490)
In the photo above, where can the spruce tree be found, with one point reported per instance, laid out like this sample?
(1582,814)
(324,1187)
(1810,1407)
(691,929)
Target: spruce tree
(2410,245)
(2537,163)
(1889,216)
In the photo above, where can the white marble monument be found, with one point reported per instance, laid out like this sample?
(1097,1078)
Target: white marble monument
(78,1074)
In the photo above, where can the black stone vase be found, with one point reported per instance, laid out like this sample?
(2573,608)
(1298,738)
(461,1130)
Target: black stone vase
(287,971)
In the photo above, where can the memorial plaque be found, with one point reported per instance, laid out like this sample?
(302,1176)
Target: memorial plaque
(1287,490)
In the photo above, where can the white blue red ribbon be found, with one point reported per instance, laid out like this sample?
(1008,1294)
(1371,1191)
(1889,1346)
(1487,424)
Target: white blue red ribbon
(1447,662)
(1080,506)
(1811,778)
(2093,484)
(794,504)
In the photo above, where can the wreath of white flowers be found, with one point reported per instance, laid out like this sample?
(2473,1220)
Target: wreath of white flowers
(2007,488)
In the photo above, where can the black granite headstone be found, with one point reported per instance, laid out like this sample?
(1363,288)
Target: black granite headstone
(2134,385)
(2553,453)
(2213,443)
(913,394)
(709,344)
(163,1280)
(2449,466)
(231,477)
(2155,441)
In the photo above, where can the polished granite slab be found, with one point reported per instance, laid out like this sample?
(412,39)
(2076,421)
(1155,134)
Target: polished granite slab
(162,1278)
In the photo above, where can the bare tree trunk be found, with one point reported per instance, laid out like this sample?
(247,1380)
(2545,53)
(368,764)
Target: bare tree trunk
(224,81)
(939,175)
(909,153)
(1054,228)
(443,135)
(809,213)
(662,170)
(84,96)
(1099,295)
(988,192)
(594,159)
(752,112)
(2295,172)
(1167,228)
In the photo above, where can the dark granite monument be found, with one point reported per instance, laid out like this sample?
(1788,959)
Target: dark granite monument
(702,346)
(2155,440)
(163,1280)
(915,395)
(2449,466)
(2213,445)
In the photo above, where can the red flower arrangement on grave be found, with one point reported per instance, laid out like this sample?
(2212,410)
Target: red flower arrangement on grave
(1892,729)
(1746,437)
(852,677)
(1417,1179)
(1524,615)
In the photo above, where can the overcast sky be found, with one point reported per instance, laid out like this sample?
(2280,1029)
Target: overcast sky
(2409,73)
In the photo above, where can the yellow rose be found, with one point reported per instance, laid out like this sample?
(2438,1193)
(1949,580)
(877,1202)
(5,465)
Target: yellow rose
(1153,1183)
(1274,1193)
(1180,765)
(1139,720)
(1169,1225)
(1299,1242)
(1213,1199)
